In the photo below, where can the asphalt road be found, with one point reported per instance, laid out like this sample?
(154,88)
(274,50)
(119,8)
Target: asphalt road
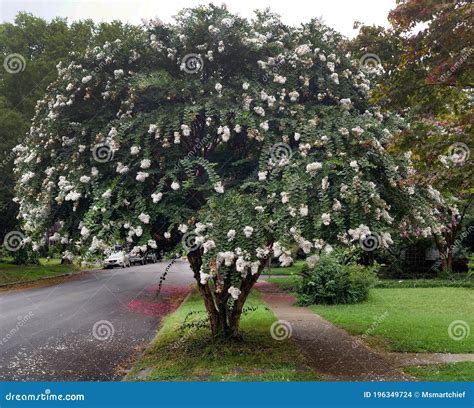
(88,328)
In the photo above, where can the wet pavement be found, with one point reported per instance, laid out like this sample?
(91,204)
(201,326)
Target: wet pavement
(89,328)
(330,351)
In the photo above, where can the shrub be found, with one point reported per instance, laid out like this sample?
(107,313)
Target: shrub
(25,256)
(333,281)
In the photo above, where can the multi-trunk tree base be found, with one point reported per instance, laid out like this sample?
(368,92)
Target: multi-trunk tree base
(224,314)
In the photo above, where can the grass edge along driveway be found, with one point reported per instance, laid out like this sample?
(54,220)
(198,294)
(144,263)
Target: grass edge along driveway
(11,273)
(191,354)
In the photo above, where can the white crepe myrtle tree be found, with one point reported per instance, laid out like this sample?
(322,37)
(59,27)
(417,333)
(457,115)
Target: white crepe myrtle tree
(234,139)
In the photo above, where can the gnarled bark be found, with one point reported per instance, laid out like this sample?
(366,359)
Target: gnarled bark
(224,320)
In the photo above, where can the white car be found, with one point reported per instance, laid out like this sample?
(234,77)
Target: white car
(119,258)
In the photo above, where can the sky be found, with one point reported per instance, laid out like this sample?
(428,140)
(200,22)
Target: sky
(338,14)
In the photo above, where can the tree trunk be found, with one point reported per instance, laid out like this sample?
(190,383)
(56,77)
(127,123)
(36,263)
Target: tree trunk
(224,320)
(444,253)
(448,267)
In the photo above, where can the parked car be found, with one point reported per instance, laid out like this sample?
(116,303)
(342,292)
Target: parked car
(151,257)
(117,258)
(137,258)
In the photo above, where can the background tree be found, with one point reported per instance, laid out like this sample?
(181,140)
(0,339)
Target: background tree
(31,48)
(427,76)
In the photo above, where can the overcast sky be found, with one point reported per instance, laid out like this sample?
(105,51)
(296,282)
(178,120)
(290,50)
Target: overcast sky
(339,14)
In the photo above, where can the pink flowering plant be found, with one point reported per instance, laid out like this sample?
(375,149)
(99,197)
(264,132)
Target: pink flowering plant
(232,139)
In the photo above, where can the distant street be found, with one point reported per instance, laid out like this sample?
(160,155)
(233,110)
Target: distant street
(89,328)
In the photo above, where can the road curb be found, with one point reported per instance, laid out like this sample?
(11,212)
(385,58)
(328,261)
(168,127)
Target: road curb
(140,354)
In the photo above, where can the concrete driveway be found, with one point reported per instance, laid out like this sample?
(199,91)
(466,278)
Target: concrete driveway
(88,328)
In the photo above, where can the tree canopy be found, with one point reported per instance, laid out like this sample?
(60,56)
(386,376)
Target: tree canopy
(235,139)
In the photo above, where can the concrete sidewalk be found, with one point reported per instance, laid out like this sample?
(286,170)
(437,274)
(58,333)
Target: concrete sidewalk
(330,351)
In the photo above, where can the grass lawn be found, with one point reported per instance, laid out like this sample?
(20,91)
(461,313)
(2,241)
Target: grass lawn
(415,320)
(191,354)
(294,269)
(11,273)
(463,282)
(443,372)
(290,283)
